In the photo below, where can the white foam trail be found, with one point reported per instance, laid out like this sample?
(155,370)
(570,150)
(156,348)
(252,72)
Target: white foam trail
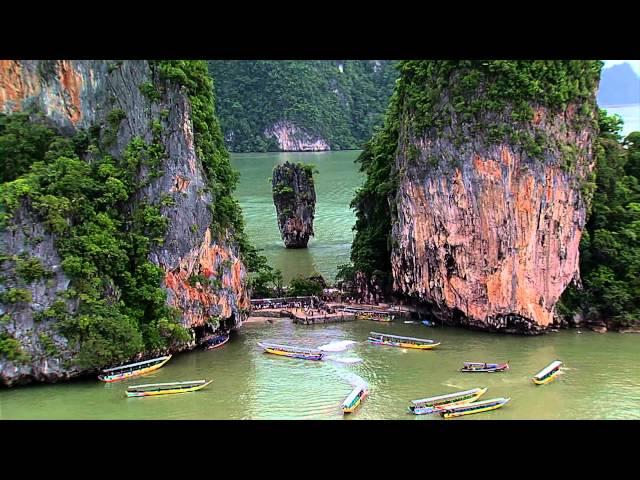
(344,359)
(355,380)
(453,386)
(338,346)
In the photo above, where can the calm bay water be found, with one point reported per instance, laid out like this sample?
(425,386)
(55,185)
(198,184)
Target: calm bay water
(602,380)
(335,186)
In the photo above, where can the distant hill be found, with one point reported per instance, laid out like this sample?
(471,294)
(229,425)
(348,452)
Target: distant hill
(301,105)
(619,85)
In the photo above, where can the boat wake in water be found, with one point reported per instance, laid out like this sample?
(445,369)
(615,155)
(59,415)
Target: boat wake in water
(344,359)
(338,346)
(354,380)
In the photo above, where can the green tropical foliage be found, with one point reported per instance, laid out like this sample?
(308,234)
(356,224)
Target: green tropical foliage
(104,243)
(610,245)
(22,142)
(302,287)
(339,101)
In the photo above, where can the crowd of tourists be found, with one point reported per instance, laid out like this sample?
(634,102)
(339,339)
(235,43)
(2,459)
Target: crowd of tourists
(269,303)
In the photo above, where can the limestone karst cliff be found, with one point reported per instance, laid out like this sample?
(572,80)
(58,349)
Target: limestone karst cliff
(477,189)
(293,139)
(158,185)
(294,197)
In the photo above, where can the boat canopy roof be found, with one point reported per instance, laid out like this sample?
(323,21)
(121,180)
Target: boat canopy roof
(401,338)
(354,394)
(170,384)
(137,364)
(443,397)
(482,364)
(474,405)
(289,348)
(548,369)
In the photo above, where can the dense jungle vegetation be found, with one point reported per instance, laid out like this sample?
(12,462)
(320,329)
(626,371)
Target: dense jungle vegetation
(339,101)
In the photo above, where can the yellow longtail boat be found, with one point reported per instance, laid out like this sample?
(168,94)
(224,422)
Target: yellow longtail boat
(475,407)
(152,389)
(291,351)
(548,373)
(133,369)
(404,342)
(425,406)
(355,398)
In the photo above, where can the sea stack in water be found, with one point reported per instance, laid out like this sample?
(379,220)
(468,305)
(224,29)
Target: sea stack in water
(295,199)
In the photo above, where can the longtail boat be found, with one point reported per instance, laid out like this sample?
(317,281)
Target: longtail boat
(216,342)
(426,406)
(484,367)
(375,317)
(404,342)
(475,407)
(293,352)
(132,369)
(370,314)
(548,373)
(355,398)
(152,389)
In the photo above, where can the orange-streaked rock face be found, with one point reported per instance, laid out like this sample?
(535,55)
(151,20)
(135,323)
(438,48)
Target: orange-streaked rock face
(20,81)
(14,87)
(496,236)
(198,302)
(71,84)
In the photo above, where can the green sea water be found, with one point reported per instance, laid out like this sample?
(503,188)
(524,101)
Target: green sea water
(335,186)
(601,379)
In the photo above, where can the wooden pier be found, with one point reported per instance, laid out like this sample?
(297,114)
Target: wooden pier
(321,319)
(299,316)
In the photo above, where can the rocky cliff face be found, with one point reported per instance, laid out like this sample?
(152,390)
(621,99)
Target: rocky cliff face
(30,239)
(293,139)
(295,199)
(77,95)
(485,231)
(489,201)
